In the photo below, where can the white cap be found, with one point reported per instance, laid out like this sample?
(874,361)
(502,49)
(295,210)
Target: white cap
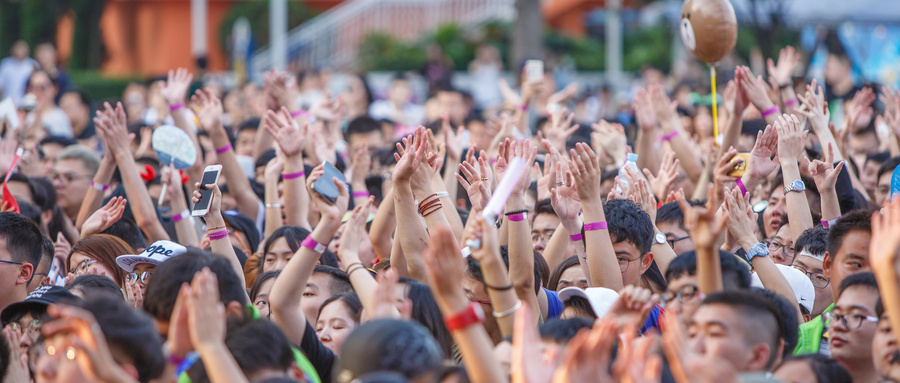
(157,253)
(600,298)
(800,283)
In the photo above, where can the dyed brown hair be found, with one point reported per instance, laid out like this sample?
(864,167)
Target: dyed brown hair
(104,248)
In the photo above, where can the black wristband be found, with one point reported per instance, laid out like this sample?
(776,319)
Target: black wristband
(498,288)
(516,212)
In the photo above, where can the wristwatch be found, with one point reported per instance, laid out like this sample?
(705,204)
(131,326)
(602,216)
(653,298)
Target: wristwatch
(795,185)
(660,238)
(757,250)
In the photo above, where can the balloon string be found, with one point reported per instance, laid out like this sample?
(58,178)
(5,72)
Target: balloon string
(715,101)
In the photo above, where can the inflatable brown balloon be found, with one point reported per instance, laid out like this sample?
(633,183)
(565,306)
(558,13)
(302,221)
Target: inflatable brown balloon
(708,28)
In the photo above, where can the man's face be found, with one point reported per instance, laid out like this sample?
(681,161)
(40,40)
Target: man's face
(852,257)
(688,288)
(375,139)
(543,227)
(475,292)
(71,181)
(452,103)
(11,277)
(572,277)
(629,257)
(884,348)
(243,145)
(851,344)
(883,190)
(316,292)
(824,297)
(772,214)
(718,330)
(50,152)
(678,238)
(77,112)
(869,176)
(783,245)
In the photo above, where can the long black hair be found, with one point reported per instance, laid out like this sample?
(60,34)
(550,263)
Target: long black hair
(425,311)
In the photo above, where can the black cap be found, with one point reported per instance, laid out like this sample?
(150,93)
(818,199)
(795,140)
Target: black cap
(38,300)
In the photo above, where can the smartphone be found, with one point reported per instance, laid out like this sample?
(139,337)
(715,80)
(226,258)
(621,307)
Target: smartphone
(210,176)
(325,187)
(534,70)
(740,166)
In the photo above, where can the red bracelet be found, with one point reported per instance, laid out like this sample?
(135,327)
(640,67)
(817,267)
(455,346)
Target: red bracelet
(670,136)
(516,217)
(361,194)
(772,110)
(291,176)
(740,185)
(468,317)
(576,237)
(595,226)
(790,102)
(176,106)
(223,149)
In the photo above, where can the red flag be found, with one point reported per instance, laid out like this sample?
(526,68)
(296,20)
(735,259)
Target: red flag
(9,202)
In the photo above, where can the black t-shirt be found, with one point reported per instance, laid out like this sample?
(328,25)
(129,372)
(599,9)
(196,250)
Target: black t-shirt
(321,357)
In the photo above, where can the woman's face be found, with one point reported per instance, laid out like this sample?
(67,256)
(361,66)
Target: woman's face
(42,88)
(261,301)
(572,277)
(278,255)
(334,325)
(81,264)
(798,371)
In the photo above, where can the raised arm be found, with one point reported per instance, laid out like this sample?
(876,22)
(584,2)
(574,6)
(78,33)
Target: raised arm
(281,91)
(272,175)
(174,91)
(216,231)
(735,104)
(287,291)
(567,205)
(382,229)
(672,132)
(790,147)
(648,143)
(238,183)
(826,174)
(521,252)
(780,76)
(883,252)
(761,164)
(363,283)
(113,123)
(601,259)
(290,137)
(705,227)
(496,277)
(184,223)
(411,233)
(207,322)
(757,95)
(94,196)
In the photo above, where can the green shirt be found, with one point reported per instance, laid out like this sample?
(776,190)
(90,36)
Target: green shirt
(811,332)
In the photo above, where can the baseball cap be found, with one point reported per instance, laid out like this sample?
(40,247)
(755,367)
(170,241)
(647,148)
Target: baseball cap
(600,298)
(38,300)
(800,283)
(154,254)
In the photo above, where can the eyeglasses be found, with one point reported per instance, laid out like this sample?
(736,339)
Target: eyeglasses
(685,293)
(67,177)
(537,236)
(11,262)
(33,329)
(624,262)
(83,266)
(144,277)
(774,246)
(673,240)
(818,279)
(850,321)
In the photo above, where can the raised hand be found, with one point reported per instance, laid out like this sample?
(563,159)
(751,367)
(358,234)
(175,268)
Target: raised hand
(274,168)
(787,60)
(586,172)
(362,164)
(814,107)
(114,126)
(736,101)
(632,307)
(333,212)
(281,90)
(176,86)
(289,135)
(452,138)
(104,217)
(522,149)
(723,166)
(354,230)
(445,268)
(644,198)
(215,199)
(211,110)
(791,138)
(205,312)
(890,97)
(476,181)
(560,128)
(327,109)
(643,111)
(755,88)
(761,163)
(663,107)
(410,153)
(662,183)
(17,365)
(609,137)
(885,243)
(526,363)
(701,222)
(740,218)
(859,110)
(478,229)
(825,173)
(588,354)
(564,197)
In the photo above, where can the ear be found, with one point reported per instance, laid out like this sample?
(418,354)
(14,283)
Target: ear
(646,261)
(296,373)
(26,270)
(234,309)
(131,370)
(46,216)
(759,357)
(827,263)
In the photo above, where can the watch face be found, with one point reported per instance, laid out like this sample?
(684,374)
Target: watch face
(660,238)
(798,185)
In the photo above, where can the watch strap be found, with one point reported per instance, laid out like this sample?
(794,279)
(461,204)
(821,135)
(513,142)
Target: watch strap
(470,316)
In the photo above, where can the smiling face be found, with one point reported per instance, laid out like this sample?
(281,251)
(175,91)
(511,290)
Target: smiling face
(783,243)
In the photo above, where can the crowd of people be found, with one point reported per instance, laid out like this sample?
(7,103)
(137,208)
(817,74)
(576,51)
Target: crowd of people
(636,245)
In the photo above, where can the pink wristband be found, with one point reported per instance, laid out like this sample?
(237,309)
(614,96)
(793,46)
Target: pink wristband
(516,217)
(291,176)
(361,194)
(99,187)
(828,223)
(670,136)
(772,110)
(219,233)
(298,113)
(223,149)
(740,185)
(595,226)
(523,107)
(312,244)
(176,106)
(790,102)
(576,237)
(183,215)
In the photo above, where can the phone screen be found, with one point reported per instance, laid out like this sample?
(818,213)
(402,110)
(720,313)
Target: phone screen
(209,177)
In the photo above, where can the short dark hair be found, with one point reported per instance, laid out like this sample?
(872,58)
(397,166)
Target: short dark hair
(91,284)
(130,332)
(627,222)
(857,220)
(127,230)
(561,331)
(879,158)
(393,345)
(865,279)
(735,273)
(888,166)
(544,207)
(82,97)
(827,370)
(812,240)
(362,125)
(259,344)
(753,307)
(23,239)
(159,299)
(338,281)
(790,333)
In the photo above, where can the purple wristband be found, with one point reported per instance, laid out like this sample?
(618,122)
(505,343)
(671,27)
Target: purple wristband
(298,113)
(576,237)
(99,187)
(523,107)
(176,106)
(361,194)
(790,102)
(223,149)
(740,185)
(770,111)
(291,176)
(828,223)
(516,217)
(670,136)
(220,233)
(178,217)
(595,226)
